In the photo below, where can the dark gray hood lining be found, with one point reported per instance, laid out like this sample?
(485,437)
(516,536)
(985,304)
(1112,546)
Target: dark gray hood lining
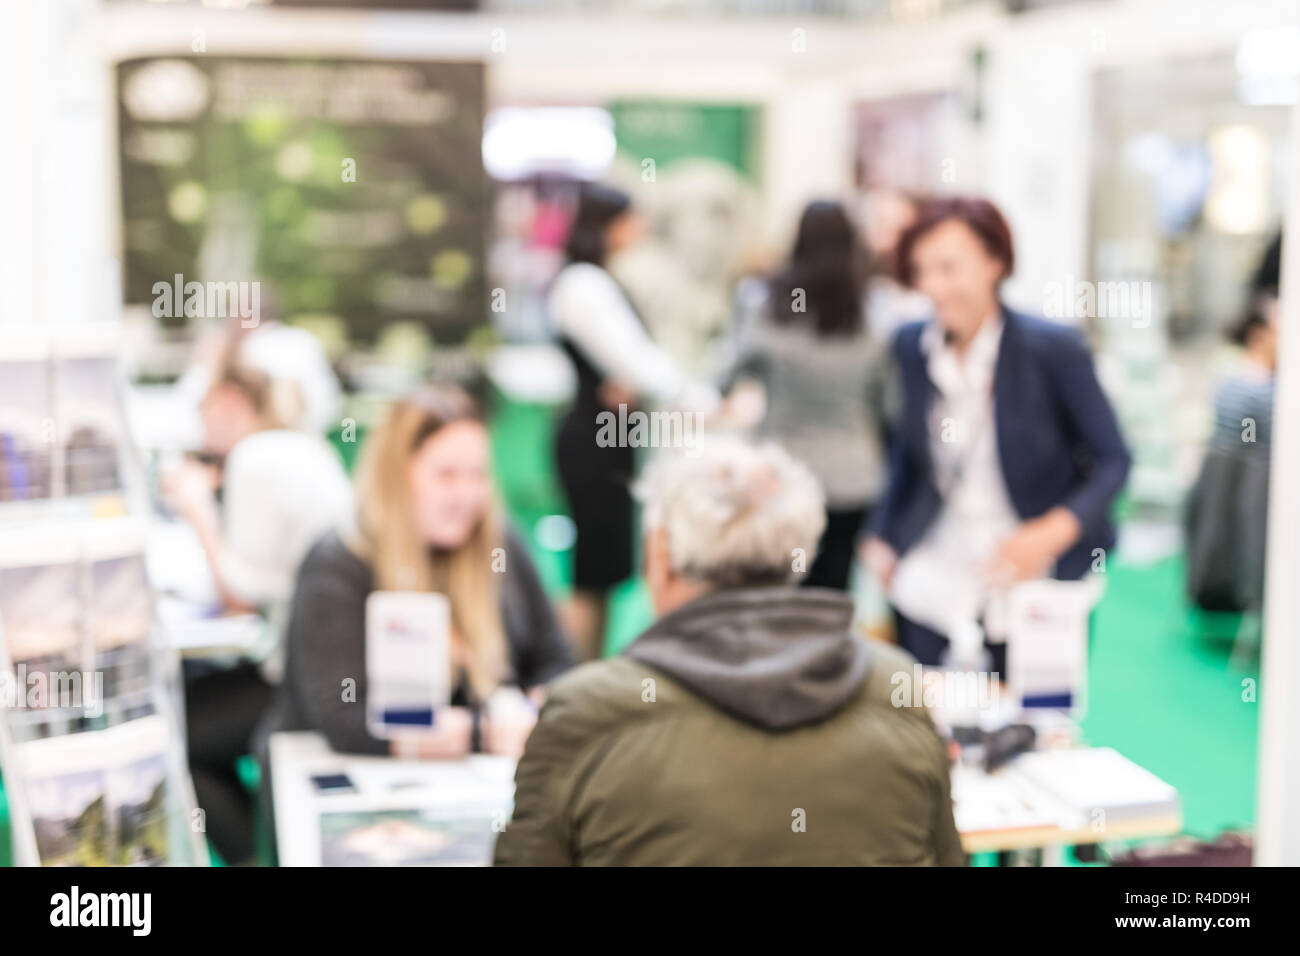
(777,657)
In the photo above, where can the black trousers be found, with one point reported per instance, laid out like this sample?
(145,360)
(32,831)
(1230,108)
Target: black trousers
(222,708)
(830,569)
(596,483)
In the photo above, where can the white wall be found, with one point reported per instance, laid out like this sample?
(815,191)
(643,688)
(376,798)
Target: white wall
(1278,815)
(57,264)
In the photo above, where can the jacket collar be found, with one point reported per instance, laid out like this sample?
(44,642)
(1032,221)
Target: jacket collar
(777,657)
(950,373)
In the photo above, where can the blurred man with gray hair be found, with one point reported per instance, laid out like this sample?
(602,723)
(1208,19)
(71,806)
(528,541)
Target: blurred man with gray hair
(749,725)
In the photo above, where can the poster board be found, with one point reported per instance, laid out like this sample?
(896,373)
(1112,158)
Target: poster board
(352,189)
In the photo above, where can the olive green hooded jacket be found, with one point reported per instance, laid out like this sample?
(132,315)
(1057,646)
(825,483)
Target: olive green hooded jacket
(748,727)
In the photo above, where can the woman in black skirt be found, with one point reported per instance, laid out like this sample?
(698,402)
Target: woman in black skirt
(617,364)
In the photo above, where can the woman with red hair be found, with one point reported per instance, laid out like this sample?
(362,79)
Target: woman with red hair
(1008,455)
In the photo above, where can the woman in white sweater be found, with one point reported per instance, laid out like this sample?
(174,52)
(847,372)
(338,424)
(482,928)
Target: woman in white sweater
(282,489)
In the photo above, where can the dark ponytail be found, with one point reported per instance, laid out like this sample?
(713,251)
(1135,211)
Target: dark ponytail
(598,206)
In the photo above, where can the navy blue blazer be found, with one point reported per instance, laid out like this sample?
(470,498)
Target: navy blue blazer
(1057,437)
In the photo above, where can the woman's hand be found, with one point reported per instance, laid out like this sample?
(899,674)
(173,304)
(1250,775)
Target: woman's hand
(449,739)
(612,394)
(505,734)
(188,488)
(1031,550)
(744,407)
(508,719)
(880,559)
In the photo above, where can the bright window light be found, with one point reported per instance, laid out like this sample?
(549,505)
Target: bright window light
(575,141)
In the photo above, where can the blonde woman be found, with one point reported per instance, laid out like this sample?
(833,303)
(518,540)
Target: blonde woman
(282,487)
(281,490)
(427,520)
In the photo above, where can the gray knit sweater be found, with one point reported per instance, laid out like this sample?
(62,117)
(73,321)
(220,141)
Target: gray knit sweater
(827,400)
(326,643)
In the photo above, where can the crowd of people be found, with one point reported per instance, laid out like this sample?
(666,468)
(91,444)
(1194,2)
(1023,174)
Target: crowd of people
(952,454)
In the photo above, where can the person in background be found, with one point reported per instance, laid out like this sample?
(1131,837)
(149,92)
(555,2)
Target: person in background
(1227,509)
(749,707)
(426,520)
(824,378)
(617,364)
(281,489)
(1008,456)
(884,216)
(287,353)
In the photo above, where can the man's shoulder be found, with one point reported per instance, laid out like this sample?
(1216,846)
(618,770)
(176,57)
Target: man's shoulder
(619,690)
(890,666)
(893,699)
(614,684)
(608,695)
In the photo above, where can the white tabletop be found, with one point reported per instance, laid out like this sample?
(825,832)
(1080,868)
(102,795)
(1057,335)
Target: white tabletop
(1038,801)
(397,801)
(402,812)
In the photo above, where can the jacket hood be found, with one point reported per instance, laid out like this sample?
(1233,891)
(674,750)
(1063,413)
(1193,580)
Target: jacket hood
(777,657)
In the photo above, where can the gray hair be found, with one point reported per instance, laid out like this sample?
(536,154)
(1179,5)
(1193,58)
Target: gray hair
(735,513)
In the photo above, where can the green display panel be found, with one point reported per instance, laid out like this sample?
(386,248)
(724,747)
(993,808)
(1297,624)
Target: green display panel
(667,132)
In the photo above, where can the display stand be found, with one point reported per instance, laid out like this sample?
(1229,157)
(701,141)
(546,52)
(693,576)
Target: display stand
(91,723)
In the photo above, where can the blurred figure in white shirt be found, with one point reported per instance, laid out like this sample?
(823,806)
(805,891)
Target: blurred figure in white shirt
(885,214)
(281,490)
(617,365)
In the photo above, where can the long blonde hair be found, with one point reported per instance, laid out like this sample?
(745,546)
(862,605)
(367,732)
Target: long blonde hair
(388,538)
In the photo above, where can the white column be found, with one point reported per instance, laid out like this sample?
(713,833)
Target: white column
(1278,816)
(22,34)
(55,165)
(1037,143)
(807,151)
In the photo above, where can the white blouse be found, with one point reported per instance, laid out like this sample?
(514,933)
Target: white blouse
(587,306)
(940,582)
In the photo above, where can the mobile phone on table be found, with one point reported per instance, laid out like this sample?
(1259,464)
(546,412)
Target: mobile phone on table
(327,783)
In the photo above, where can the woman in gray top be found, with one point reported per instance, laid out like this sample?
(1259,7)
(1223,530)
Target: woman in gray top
(427,521)
(826,382)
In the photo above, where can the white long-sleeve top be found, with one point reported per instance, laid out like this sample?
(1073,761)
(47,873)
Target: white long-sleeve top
(588,307)
(283,491)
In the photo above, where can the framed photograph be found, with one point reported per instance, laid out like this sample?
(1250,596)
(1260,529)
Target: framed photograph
(98,798)
(41,618)
(119,616)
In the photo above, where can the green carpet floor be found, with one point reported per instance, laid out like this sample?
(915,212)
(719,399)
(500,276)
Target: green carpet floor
(1163,690)
(6,849)
(1164,693)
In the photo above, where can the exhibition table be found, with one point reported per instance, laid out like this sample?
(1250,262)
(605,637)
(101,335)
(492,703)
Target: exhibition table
(342,809)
